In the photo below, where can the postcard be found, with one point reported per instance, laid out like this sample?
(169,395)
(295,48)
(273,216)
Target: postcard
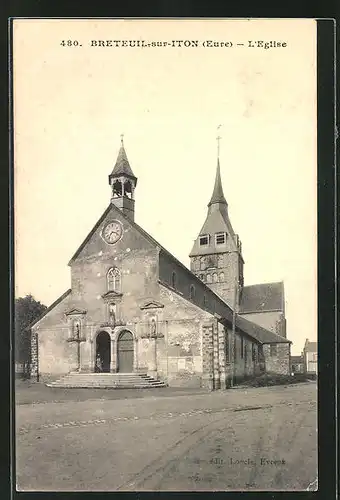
(165,238)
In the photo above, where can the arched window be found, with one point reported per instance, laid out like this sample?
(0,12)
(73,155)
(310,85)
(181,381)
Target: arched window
(128,189)
(203,263)
(221,277)
(208,278)
(214,277)
(113,280)
(117,189)
(173,279)
(192,292)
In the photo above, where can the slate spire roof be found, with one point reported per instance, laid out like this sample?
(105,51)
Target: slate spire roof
(218,195)
(217,220)
(122,166)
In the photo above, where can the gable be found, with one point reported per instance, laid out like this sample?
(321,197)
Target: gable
(49,309)
(311,347)
(262,297)
(215,222)
(132,237)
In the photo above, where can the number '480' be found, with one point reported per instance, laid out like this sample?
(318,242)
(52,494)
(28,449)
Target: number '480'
(70,43)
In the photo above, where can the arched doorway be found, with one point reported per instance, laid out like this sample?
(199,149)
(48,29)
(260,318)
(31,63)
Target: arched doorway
(103,353)
(125,352)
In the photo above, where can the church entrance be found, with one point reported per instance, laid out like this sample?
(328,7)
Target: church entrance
(125,352)
(103,353)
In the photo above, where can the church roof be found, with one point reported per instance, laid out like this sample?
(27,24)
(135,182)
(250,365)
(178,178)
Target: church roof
(93,230)
(52,306)
(259,333)
(218,196)
(296,359)
(122,166)
(262,297)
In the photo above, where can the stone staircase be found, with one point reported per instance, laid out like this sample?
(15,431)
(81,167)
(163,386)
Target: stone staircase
(75,380)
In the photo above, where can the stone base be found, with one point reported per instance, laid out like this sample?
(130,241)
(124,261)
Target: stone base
(217,384)
(208,382)
(190,382)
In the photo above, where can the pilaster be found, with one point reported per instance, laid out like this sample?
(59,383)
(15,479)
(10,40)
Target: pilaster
(34,368)
(216,361)
(208,354)
(222,356)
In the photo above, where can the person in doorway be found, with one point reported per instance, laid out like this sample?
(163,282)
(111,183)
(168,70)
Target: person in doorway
(98,363)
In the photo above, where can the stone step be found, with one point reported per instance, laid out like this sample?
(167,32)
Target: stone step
(107,380)
(120,386)
(106,386)
(107,374)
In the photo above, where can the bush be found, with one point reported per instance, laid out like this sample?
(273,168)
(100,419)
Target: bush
(27,309)
(270,379)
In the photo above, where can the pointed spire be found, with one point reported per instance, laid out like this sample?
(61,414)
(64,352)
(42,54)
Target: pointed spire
(122,166)
(217,196)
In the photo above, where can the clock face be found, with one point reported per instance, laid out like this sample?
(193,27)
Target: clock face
(112,232)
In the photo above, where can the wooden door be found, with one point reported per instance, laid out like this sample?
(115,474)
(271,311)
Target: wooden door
(125,352)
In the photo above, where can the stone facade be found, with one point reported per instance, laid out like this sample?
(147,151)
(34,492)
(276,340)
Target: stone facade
(277,358)
(310,357)
(271,320)
(133,307)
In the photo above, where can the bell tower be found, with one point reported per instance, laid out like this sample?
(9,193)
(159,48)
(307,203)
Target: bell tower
(123,183)
(216,256)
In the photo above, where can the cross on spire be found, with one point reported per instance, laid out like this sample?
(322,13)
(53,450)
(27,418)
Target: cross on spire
(218,138)
(122,139)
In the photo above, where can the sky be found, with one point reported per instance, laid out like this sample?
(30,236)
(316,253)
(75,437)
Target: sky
(72,103)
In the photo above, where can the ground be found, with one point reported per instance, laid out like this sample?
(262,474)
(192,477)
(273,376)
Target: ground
(166,439)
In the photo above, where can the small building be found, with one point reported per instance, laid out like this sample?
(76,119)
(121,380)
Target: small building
(134,308)
(310,357)
(297,364)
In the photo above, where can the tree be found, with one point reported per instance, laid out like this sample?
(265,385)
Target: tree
(27,309)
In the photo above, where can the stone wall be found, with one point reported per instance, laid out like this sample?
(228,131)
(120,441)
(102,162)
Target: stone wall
(271,320)
(244,364)
(277,359)
(51,353)
(180,360)
(137,260)
(203,298)
(190,346)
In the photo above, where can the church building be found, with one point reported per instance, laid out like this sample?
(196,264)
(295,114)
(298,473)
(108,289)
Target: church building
(136,315)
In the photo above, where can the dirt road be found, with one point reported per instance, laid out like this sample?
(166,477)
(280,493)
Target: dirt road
(255,439)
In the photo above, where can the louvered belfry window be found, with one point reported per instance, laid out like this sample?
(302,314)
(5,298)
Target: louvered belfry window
(220,238)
